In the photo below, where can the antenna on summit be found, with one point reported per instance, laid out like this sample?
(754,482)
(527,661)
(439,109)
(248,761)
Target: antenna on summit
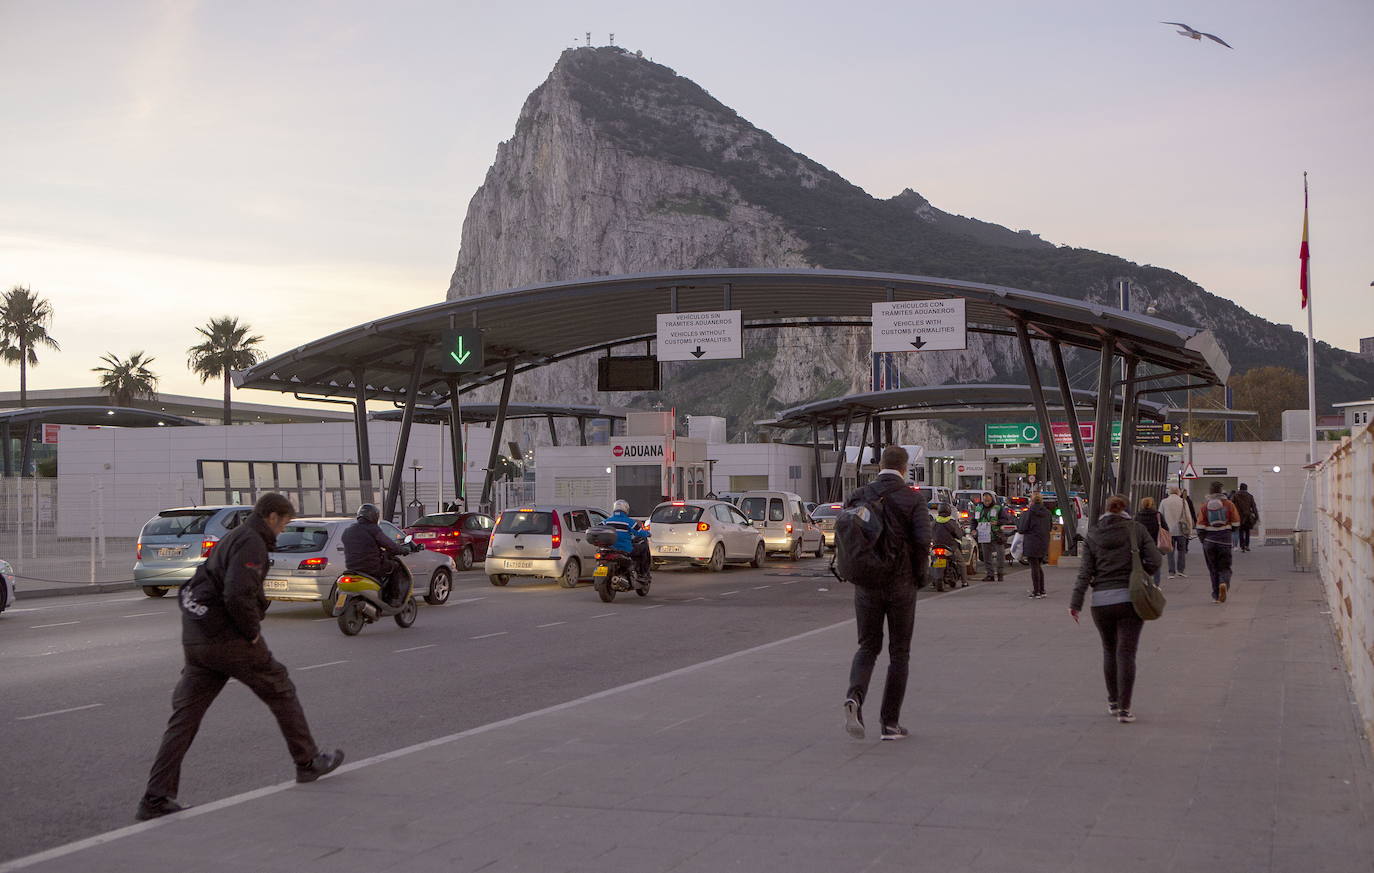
(612,39)
(589,39)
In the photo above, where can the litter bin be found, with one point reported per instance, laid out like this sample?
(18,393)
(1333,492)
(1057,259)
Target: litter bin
(1302,550)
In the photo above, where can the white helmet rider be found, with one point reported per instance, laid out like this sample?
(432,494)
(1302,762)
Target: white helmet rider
(621,506)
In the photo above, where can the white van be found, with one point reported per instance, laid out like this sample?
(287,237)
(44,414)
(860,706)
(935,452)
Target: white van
(781,517)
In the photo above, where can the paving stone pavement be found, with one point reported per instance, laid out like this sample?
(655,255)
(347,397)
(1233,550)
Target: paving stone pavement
(1246,757)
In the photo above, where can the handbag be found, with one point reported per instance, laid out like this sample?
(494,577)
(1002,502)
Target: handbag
(1146,596)
(1164,541)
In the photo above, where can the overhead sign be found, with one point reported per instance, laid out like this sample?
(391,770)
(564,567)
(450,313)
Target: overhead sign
(1214,471)
(1188,471)
(50,432)
(1086,430)
(919,325)
(462,351)
(700,336)
(1013,434)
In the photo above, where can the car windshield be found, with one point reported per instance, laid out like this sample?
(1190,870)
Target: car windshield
(180,522)
(525,521)
(438,519)
(674,514)
(826,510)
(302,538)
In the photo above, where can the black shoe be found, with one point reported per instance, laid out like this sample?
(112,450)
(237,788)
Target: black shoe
(895,732)
(324,763)
(999,577)
(149,809)
(854,718)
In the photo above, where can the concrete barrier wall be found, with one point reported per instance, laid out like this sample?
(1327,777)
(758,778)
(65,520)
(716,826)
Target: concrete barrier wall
(1345,558)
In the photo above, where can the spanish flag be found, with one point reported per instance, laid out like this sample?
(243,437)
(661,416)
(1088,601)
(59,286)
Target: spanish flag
(1304,256)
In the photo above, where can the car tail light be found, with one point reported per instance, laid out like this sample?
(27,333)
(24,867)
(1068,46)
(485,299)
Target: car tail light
(679,503)
(703,526)
(455,533)
(313,564)
(138,551)
(789,527)
(207,545)
(556,538)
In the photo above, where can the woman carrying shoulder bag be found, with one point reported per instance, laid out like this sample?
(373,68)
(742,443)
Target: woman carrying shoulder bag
(1106,566)
(1150,519)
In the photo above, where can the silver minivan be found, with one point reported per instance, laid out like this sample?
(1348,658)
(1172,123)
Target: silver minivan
(782,520)
(543,541)
(173,543)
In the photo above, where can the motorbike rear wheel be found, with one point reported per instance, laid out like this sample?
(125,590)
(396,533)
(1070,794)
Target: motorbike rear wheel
(604,589)
(351,620)
(406,617)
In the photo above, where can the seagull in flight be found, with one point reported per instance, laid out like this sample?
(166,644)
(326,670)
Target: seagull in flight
(1196,34)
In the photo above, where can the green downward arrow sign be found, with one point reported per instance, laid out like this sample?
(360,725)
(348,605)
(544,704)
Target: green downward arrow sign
(460,356)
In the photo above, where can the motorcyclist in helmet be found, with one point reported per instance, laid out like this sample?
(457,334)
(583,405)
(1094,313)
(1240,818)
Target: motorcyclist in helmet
(368,550)
(949,532)
(630,537)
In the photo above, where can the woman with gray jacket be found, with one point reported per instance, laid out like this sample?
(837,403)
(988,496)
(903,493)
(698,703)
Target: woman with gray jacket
(1106,567)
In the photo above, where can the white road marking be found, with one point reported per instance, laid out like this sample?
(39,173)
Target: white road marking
(325,664)
(761,587)
(324,619)
(728,593)
(604,615)
(55,624)
(793,582)
(141,614)
(79,601)
(59,711)
(485,636)
(655,606)
(469,600)
(413,648)
(269,790)
(694,599)
(551,624)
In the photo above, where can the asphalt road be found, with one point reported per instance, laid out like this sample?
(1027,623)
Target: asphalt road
(85,683)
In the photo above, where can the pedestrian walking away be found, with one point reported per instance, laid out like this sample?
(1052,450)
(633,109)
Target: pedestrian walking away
(1176,514)
(1216,519)
(222,607)
(1249,515)
(1105,566)
(985,518)
(905,549)
(1034,527)
(1150,519)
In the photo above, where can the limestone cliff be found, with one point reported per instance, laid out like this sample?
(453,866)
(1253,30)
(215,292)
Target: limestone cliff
(619,165)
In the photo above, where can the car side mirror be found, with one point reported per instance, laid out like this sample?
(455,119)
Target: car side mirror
(417,547)
(409,540)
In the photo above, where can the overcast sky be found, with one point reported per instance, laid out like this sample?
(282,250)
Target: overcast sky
(306,166)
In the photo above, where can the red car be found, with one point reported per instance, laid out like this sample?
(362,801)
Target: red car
(463,536)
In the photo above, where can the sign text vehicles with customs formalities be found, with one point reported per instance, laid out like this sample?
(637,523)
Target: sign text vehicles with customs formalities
(700,336)
(920,325)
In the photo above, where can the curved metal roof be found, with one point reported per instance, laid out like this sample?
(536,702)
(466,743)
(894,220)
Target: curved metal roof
(540,324)
(107,416)
(979,400)
(485,412)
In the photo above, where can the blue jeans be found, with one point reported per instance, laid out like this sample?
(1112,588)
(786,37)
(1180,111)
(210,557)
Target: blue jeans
(1178,558)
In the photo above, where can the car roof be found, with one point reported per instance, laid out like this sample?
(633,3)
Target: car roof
(214,508)
(699,502)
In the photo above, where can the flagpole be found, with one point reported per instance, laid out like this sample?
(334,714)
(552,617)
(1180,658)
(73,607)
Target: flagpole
(1311,346)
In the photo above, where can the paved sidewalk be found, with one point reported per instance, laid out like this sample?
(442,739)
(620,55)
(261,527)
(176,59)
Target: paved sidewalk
(1246,758)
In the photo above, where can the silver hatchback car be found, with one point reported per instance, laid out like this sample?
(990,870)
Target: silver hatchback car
(175,542)
(543,540)
(308,561)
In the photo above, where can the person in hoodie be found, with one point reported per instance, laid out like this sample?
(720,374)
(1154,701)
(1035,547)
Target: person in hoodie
(1106,567)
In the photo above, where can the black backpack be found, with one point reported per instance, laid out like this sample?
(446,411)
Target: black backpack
(863,556)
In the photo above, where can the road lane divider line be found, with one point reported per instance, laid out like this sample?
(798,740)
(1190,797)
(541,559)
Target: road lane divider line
(655,606)
(605,615)
(488,636)
(761,587)
(793,582)
(551,624)
(694,600)
(59,711)
(140,614)
(469,600)
(318,666)
(55,624)
(413,648)
(267,791)
(727,593)
(324,619)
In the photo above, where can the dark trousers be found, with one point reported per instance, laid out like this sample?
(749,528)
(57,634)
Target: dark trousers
(1218,557)
(992,554)
(1245,538)
(639,555)
(207,670)
(895,604)
(1178,558)
(1037,575)
(1119,626)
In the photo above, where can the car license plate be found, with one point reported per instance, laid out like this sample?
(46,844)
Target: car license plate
(519,565)
(174,552)
(601,571)
(276,585)
(425,536)
(669,550)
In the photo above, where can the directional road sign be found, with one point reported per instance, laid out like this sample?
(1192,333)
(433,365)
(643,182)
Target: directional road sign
(462,351)
(919,325)
(699,336)
(1014,434)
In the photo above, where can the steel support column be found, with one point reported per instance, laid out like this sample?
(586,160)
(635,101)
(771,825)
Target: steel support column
(393,488)
(1070,414)
(1102,436)
(455,442)
(863,446)
(1042,411)
(497,430)
(553,431)
(816,462)
(837,483)
(1129,403)
(5,448)
(26,450)
(581,431)
(361,435)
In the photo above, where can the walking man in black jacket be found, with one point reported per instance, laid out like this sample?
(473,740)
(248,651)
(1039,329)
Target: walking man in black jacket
(221,635)
(906,536)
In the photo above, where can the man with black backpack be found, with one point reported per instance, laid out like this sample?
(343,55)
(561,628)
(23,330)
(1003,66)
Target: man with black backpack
(882,546)
(1216,519)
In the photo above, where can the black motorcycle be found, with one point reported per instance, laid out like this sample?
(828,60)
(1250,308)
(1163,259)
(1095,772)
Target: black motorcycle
(615,570)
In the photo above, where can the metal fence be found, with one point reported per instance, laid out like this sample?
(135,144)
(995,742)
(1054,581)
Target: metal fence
(1344,553)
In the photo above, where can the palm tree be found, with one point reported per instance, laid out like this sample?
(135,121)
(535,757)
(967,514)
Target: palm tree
(24,321)
(126,381)
(227,347)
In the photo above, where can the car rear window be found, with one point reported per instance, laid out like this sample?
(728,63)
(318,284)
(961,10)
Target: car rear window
(302,538)
(826,510)
(756,507)
(439,519)
(675,515)
(179,522)
(525,522)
